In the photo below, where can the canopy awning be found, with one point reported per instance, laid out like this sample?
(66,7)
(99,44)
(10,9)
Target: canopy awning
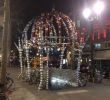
(103,55)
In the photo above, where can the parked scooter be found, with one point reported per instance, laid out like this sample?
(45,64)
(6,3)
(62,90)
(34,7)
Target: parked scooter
(98,76)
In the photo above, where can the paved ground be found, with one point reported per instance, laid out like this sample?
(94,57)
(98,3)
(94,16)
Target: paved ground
(90,92)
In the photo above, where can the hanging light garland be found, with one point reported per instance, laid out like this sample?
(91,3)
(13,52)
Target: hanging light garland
(49,32)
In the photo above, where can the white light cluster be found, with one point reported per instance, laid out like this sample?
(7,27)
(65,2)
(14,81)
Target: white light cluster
(60,81)
(86,13)
(54,80)
(98,8)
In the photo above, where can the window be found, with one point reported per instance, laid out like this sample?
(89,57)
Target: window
(107,32)
(96,36)
(102,45)
(101,37)
(108,44)
(87,46)
(97,45)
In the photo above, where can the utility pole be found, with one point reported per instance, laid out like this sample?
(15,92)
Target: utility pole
(5,44)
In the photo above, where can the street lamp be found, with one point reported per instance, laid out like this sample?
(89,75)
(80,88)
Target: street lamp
(91,15)
(97,9)
(86,13)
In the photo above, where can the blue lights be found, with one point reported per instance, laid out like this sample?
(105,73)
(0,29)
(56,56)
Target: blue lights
(97,45)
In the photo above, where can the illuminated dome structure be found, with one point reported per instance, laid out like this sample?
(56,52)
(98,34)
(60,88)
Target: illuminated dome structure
(52,36)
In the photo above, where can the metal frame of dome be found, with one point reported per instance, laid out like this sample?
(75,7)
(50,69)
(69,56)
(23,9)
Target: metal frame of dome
(49,30)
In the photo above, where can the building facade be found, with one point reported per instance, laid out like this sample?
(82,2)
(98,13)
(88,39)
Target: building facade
(100,48)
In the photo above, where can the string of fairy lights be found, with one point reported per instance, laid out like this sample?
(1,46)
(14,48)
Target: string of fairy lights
(49,32)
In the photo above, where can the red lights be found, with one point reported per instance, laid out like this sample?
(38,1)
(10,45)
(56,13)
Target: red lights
(105,34)
(98,35)
(93,36)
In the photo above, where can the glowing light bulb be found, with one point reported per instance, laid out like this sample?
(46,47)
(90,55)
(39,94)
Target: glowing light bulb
(98,7)
(86,13)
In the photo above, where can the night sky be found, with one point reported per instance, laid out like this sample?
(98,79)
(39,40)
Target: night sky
(24,10)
